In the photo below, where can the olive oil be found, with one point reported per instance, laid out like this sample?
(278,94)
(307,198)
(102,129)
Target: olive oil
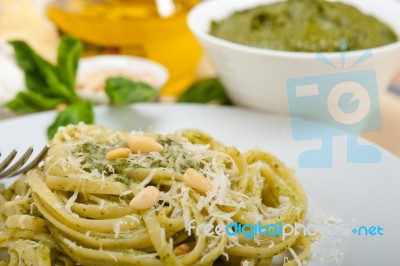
(155,29)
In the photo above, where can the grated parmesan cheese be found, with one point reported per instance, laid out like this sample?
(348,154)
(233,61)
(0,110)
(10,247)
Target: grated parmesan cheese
(148,179)
(101,204)
(27,195)
(71,201)
(295,257)
(245,263)
(21,221)
(117,230)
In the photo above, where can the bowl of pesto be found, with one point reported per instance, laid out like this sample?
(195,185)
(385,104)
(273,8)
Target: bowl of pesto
(259,47)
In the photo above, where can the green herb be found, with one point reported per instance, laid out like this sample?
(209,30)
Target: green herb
(122,179)
(69,52)
(45,79)
(73,114)
(123,91)
(50,85)
(205,91)
(29,101)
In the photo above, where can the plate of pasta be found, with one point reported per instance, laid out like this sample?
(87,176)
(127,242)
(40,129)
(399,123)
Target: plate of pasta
(155,184)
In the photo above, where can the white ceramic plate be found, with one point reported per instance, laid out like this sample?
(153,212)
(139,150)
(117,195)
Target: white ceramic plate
(357,194)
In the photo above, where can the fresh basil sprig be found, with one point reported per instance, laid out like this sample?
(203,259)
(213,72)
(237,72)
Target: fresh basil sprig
(50,85)
(53,82)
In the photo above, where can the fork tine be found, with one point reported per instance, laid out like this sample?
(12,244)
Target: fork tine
(8,160)
(10,171)
(35,162)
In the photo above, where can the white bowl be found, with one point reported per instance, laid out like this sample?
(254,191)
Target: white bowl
(126,64)
(256,78)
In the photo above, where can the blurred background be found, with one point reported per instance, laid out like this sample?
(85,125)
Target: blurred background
(153,29)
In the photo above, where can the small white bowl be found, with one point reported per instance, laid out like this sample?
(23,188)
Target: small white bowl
(88,67)
(256,77)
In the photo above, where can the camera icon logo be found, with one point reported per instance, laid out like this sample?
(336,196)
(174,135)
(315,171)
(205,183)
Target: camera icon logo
(347,101)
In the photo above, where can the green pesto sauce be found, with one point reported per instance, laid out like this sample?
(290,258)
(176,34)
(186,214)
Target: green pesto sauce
(306,26)
(95,159)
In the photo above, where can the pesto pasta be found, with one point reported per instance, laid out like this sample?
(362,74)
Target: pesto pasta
(87,203)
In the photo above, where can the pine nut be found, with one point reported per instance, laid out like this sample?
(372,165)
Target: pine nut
(118,153)
(145,199)
(181,249)
(143,144)
(196,181)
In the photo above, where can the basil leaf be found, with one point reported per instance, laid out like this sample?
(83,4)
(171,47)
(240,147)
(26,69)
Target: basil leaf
(25,56)
(69,51)
(41,76)
(49,85)
(205,91)
(36,83)
(73,114)
(27,102)
(123,91)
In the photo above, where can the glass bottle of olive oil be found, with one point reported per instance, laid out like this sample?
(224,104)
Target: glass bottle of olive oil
(155,29)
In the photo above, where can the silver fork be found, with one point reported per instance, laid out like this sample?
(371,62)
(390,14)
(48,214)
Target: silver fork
(8,170)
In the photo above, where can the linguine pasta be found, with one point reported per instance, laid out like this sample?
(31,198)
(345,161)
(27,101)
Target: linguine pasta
(75,208)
